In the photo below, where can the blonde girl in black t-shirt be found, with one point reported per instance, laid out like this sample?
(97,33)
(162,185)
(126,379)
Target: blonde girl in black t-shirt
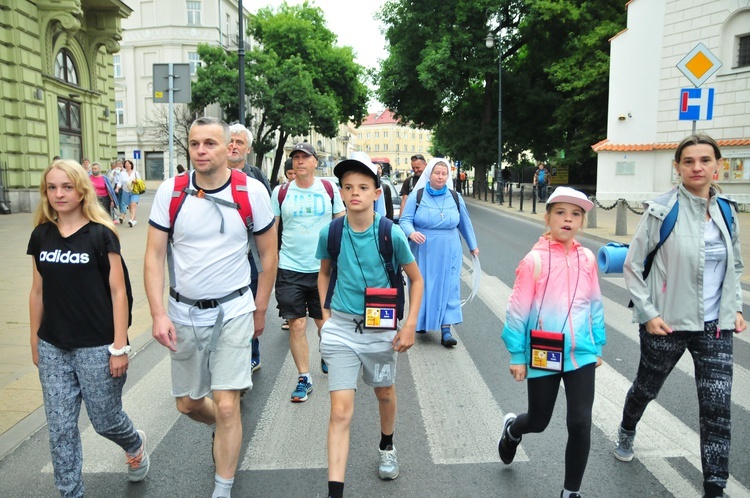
(79,321)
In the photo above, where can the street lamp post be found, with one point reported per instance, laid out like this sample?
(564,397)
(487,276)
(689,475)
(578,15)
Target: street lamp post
(241,61)
(490,42)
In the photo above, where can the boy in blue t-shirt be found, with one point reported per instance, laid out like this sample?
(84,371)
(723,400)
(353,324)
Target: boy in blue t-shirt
(346,344)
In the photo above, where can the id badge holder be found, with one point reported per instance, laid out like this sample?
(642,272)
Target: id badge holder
(547,350)
(380,308)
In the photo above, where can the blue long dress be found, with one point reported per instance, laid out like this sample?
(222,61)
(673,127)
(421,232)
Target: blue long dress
(440,257)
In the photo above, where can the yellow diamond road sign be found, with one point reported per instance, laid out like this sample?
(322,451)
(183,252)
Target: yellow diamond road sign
(699,65)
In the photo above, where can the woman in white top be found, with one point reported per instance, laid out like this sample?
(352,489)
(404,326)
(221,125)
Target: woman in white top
(128,197)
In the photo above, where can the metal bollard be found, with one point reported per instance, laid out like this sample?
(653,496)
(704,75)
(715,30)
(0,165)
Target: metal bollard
(591,216)
(521,201)
(621,224)
(492,197)
(500,193)
(510,195)
(533,204)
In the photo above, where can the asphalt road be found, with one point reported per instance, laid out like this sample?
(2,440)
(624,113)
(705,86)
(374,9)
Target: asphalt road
(451,404)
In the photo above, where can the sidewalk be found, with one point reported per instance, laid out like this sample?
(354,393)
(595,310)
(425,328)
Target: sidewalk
(606,221)
(21,412)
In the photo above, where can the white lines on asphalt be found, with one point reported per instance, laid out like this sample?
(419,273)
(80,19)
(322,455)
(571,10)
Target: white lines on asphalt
(661,435)
(150,406)
(463,399)
(292,435)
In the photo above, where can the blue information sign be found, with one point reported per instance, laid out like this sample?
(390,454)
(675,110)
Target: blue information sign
(136,154)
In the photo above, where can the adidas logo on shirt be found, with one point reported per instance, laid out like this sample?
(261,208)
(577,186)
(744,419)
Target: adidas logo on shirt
(58,256)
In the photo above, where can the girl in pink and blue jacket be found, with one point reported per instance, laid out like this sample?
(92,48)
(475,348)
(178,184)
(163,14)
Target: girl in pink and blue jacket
(556,291)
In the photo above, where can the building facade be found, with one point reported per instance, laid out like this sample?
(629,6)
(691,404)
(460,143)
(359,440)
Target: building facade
(161,32)
(643,127)
(382,136)
(56,88)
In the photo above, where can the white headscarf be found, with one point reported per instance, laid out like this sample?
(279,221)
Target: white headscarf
(424,178)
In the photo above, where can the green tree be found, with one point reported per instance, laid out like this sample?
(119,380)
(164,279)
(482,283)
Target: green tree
(295,75)
(555,63)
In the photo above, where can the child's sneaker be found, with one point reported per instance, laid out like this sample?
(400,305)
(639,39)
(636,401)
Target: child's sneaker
(388,466)
(255,364)
(304,387)
(506,446)
(138,462)
(624,447)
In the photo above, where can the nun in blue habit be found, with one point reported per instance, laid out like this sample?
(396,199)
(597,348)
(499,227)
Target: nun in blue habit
(433,228)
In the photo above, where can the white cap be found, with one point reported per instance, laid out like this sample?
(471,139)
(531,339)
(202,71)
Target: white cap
(359,161)
(571,196)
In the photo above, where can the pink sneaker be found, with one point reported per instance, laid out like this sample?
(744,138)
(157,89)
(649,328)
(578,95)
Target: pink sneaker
(116,221)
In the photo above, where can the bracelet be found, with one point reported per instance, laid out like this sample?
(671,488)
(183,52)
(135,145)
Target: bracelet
(118,352)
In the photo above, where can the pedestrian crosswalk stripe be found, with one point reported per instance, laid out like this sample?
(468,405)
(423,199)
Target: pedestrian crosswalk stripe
(292,435)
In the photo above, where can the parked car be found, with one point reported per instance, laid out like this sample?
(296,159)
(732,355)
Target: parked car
(395,211)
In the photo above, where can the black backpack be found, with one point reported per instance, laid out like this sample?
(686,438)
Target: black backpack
(420,193)
(385,248)
(97,237)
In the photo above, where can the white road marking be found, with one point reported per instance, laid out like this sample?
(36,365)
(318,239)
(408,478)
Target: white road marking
(293,435)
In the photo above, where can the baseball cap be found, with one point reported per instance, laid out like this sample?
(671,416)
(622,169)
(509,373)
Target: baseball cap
(571,196)
(304,147)
(359,162)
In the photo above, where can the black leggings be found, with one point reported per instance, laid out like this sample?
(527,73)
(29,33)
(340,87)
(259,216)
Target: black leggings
(579,394)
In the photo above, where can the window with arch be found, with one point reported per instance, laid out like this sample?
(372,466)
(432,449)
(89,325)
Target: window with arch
(65,68)
(735,42)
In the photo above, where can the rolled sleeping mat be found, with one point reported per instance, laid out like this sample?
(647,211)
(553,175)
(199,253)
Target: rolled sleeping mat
(611,257)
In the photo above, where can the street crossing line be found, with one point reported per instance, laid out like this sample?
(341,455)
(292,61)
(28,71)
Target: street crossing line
(276,443)
(150,406)
(661,435)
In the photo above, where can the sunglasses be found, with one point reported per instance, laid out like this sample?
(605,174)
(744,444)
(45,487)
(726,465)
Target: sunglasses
(418,156)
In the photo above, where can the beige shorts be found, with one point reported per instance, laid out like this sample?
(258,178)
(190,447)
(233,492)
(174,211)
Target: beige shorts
(196,371)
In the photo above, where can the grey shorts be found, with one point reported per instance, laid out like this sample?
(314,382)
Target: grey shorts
(196,371)
(346,351)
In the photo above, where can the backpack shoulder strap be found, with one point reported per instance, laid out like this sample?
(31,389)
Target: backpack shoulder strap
(329,189)
(537,263)
(455,198)
(385,247)
(420,193)
(282,192)
(240,196)
(179,193)
(333,245)
(667,225)
(726,213)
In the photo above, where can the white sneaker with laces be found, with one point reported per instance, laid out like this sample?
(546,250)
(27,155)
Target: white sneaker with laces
(388,467)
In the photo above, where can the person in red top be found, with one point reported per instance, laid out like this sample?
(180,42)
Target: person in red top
(105,194)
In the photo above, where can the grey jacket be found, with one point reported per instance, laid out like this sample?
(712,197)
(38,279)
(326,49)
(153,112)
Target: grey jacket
(674,288)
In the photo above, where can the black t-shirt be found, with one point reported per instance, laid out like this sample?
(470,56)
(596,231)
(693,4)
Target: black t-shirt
(409,184)
(77,303)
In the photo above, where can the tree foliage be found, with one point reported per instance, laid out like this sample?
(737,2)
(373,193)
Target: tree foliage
(295,74)
(555,56)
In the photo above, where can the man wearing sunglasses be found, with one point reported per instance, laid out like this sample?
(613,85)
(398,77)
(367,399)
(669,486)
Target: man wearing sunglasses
(418,164)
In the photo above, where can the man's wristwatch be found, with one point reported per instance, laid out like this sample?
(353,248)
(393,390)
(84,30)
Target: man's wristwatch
(118,352)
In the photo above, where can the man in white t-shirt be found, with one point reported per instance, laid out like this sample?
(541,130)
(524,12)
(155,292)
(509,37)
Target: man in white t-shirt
(212,314)
(306,208)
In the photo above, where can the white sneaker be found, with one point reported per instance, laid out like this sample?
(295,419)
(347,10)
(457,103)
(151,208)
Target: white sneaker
(132,223)
(138,463)
(388,466)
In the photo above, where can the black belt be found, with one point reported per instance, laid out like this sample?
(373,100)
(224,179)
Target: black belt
(207,304)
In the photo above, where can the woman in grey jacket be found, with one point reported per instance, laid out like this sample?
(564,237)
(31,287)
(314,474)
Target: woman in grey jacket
(691,299)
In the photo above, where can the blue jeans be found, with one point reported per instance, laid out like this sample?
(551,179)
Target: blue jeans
(67,377)
(542,186)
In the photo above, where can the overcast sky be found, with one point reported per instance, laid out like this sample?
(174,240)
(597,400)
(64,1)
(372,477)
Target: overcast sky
(353,21)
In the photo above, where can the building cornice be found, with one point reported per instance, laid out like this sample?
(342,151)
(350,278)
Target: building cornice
(606,146)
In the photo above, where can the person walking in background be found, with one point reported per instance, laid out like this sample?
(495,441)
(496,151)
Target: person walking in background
(541,179)
(130,198)
(80,345)
(105,193)
(348,343)
(302,207)
(700,262)
(241,146)
(556,296)
(418,165)
(211,317)
(434,217)
(505,175)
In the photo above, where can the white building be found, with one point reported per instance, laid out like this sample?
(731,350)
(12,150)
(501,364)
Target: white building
(162,31)
(643,126)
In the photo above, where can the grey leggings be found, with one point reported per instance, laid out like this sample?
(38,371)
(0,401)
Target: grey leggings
(67,377)
(712,356)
